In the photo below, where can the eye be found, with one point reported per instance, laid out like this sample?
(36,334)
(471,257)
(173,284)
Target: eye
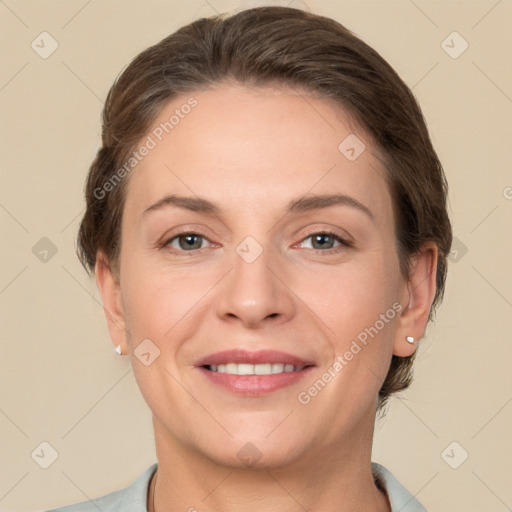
(187,242)
(191,241)
(324,241)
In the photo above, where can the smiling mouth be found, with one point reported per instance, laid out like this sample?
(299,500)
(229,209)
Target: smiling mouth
(254,369)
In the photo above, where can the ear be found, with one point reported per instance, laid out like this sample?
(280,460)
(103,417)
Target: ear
(418,295)
(110,290)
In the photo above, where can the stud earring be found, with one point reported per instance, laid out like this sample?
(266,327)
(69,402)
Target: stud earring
(117,350)
(410,339)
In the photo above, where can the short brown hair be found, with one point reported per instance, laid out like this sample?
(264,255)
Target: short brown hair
(291,47)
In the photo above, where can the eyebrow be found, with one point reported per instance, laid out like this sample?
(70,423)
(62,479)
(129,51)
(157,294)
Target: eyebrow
(299,205)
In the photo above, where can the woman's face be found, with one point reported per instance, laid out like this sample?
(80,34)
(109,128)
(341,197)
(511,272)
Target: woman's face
(231,267)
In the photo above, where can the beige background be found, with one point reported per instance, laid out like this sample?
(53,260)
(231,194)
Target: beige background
(60,380)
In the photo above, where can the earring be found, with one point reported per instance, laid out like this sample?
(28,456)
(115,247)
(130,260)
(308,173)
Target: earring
(410,339)
(117,350)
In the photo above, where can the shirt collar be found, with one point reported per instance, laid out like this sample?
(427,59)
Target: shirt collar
(400,499)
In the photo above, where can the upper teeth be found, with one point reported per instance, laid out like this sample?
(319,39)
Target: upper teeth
(254,369)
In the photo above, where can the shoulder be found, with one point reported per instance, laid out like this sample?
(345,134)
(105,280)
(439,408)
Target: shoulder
(399,497)
(130,499)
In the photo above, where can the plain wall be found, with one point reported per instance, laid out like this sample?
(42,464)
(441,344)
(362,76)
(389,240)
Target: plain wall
(60,380)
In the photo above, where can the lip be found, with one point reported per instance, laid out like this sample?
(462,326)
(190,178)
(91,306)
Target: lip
(253,357)
(254,385)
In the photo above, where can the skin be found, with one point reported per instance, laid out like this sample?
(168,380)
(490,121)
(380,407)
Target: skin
(251,151)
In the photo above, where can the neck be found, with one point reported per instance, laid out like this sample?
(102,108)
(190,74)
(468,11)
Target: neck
(338,480)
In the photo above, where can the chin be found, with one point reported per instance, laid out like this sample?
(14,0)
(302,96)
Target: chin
(256,452)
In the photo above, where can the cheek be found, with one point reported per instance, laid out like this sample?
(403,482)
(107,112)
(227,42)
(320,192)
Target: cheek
(359,305)
(154,303)
(349,298)
(169,306)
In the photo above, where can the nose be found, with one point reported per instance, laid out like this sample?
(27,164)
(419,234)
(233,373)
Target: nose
(256,294)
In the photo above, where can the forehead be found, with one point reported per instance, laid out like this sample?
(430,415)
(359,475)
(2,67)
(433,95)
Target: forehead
(244,147)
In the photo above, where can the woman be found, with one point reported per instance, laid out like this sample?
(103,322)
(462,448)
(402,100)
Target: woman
(266,221)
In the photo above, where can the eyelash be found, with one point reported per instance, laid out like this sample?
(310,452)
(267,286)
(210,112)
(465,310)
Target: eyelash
(344,243)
